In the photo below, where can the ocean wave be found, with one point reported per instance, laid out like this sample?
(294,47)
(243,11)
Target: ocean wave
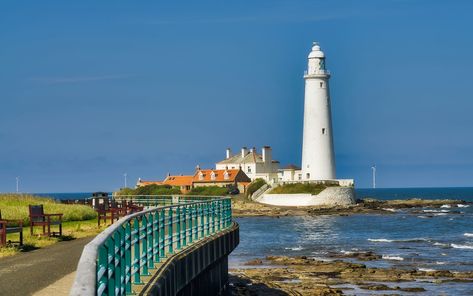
(446,206)
(468,234)
(440,263)
(456,246)
(423,217)
(390,210)
(299,248)
(426,269)
(435,211)
(380,240)
(463,206)
(388,257)
(408,240)
(441,244)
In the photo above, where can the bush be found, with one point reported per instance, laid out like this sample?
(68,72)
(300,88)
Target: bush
(209,190)
(152,189)
(15,207)
(254,186)
(299,188)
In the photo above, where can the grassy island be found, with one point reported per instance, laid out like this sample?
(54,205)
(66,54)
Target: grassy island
(78,221)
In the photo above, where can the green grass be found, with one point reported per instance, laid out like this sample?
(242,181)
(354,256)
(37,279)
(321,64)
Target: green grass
(15,207)
(254,186)
(299,188)
(78,221)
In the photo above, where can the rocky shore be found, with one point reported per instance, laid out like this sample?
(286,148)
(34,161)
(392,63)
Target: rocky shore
(281,275)
(245,208)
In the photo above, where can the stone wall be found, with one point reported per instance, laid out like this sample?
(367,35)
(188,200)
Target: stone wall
(331,196)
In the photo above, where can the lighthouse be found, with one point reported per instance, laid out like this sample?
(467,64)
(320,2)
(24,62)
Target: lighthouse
(318,157)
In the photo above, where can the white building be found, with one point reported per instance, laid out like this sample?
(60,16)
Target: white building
(318,157)
(253,164)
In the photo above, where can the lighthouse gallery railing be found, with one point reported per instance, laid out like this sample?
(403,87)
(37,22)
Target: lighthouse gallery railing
(128,249)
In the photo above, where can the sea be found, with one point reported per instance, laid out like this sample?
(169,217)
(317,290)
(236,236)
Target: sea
(424,239)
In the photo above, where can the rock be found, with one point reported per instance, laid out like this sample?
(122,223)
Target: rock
(254,262)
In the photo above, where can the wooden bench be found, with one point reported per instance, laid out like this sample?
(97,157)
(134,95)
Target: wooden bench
(104,212)
(5,229)
(39,218)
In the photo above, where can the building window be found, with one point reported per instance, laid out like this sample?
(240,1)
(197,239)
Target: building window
(249,169)
(321,84)
(307,176)
(212,176)
(323,131)
(201,176)
(300,177)
(225,176)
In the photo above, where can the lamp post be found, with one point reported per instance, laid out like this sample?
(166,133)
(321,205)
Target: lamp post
(125,175)
(373,168)
(17,184)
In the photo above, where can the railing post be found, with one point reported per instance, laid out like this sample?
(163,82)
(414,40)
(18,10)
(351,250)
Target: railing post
(162,234)
(150,240)
(102,270)
(191,224)
(202,220)
(144,245)
(156,237)
(128,258)
(136,253)
(207,222)
(213,216)
(178,227)
(111,266)
(170,234)
(184,216)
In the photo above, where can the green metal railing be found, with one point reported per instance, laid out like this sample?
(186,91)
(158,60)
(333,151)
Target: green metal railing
(121,255)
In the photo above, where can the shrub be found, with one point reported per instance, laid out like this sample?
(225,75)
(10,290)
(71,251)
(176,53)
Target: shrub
(152,189)
(254,186)
(209,190)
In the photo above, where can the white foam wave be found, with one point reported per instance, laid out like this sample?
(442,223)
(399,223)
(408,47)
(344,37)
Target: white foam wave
(389,210)
(463,206)
(457,246)
(446,206)
(381,240)
(468,234)
(388,257)
(299,248)
(440,263)
(441,244)
(408,240)
(426,269)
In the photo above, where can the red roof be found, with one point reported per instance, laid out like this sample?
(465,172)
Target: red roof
(215,175)
(178,180)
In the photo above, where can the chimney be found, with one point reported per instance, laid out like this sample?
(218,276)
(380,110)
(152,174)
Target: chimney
(197,167)
(229,153)
(252,150)
(266,151)
(169,174)
(244,151)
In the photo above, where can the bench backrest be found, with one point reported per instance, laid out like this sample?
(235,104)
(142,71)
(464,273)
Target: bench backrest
(36,213)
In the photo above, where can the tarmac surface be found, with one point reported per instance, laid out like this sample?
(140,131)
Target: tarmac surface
(30,272)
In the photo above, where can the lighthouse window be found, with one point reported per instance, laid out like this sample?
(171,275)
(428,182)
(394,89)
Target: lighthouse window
(308,176)
(323,131)
(321,84)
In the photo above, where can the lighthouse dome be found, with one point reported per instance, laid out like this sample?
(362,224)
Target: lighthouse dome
(316,52)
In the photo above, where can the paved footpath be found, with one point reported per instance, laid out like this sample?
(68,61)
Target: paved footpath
(51,267)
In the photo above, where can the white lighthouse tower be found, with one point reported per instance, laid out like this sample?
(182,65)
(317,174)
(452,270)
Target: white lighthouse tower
(318,159)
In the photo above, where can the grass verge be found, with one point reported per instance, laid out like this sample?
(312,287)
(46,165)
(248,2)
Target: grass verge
(78,221)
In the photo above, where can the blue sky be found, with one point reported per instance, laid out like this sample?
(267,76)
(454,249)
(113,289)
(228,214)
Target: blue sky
(93,89)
